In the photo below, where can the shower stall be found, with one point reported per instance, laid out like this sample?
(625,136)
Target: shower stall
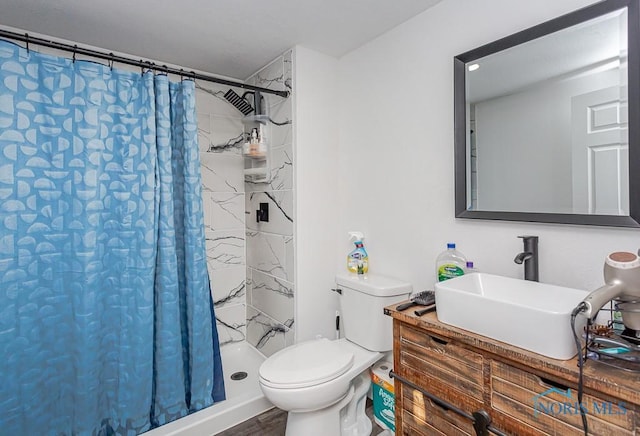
(250,260)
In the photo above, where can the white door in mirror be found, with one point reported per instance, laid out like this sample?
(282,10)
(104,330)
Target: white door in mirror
(600,153)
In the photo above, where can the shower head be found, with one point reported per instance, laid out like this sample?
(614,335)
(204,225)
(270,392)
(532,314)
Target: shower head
(238,102)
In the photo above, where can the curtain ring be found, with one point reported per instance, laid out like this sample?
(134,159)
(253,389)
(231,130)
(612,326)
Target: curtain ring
(75,48)
(181,74)
(26,36)
(111,61)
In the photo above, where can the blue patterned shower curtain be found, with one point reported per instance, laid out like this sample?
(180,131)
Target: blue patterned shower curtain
(106,321)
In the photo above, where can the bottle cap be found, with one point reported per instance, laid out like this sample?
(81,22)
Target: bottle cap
(451,245)
(469,264)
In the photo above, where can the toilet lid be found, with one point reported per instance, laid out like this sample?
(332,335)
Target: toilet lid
(306,364)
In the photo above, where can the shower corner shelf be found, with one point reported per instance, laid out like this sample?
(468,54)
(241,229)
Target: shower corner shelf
(257,169)
(253,119)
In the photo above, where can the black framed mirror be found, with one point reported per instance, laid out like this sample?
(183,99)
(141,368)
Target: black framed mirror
(547,121)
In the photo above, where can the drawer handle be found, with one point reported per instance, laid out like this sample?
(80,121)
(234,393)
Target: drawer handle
(438,340)
(553,384)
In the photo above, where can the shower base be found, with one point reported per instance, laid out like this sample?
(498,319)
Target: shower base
(244,397)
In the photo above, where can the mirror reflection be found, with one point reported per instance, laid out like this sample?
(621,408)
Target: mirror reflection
(547,123)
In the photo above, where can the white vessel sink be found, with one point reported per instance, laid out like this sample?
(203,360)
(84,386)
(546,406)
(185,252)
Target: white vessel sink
(530,315)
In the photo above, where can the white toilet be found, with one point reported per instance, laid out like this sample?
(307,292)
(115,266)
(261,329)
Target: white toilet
(323,383)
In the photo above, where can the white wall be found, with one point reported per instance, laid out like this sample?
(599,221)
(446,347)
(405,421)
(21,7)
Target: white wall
(316,156)
(396,154)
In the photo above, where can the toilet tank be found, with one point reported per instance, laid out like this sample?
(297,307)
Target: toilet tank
(362,301)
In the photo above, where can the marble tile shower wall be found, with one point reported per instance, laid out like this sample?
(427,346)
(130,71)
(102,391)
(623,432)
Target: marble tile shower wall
(220,137)
(250,263)
(270,255)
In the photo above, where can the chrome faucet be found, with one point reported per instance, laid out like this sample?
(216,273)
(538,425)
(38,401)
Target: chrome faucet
(530,257)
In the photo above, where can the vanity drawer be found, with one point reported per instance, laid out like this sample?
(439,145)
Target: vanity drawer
(422,416)
(550,408)
(442,368)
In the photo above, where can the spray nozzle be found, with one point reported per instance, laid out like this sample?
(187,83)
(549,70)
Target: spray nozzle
(356,236)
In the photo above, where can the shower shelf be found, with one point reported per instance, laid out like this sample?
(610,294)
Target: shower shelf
(252,119)
(255,172)
(257,168)
(256,157)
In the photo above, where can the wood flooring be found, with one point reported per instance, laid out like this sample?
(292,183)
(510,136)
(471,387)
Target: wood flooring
(273,423)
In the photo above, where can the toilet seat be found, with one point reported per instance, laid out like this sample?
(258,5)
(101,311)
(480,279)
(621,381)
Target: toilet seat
(306,364)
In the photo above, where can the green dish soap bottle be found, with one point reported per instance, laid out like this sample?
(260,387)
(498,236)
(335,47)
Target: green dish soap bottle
(358,259)
(450,263)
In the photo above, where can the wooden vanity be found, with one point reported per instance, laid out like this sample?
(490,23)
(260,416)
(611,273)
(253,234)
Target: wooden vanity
(523,393)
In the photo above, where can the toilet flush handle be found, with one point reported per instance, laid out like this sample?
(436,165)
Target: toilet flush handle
(338,290)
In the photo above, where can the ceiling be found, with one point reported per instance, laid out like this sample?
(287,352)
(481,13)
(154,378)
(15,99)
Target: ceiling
(233,38)
(594,45)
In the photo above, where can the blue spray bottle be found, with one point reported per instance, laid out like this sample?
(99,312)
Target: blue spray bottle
(358,259)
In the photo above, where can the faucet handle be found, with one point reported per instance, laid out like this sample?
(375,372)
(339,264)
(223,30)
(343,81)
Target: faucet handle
(525,237)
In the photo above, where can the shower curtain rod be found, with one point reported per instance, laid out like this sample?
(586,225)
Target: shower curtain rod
(26,38)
